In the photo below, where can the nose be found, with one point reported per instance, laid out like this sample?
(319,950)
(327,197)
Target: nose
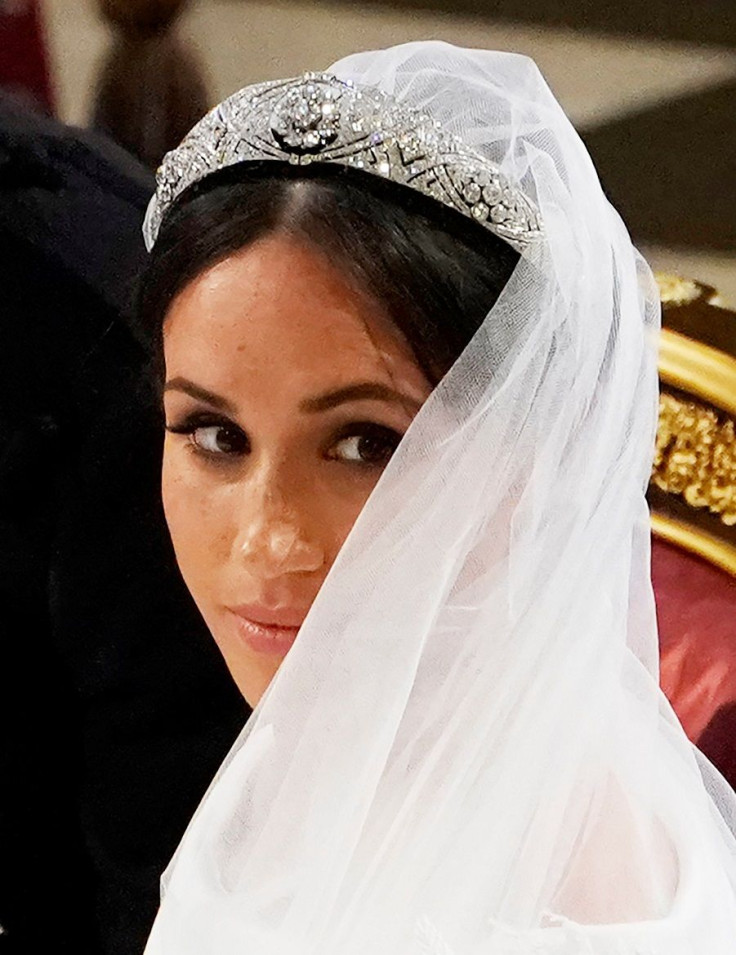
(273,537)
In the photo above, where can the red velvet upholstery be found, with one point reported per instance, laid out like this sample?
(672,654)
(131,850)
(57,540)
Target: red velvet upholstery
(696,609)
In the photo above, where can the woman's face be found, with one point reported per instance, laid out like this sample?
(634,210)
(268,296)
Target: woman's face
(286,393)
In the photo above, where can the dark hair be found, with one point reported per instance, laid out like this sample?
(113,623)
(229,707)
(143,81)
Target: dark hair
(435,272)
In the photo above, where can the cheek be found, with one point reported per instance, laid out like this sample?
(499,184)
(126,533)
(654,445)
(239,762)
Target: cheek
(198,523)
(333,499)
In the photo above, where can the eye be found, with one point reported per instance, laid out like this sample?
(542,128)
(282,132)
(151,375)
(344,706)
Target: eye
(366,444)
(216,437)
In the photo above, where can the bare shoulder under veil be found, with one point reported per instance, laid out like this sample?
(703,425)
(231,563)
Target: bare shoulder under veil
(466,751)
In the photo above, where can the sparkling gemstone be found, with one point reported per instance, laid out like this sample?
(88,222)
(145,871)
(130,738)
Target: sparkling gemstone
(492,193)
(480,211)
(471,192)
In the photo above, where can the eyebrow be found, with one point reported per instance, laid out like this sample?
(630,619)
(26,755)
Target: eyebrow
(201,394)
(360,391)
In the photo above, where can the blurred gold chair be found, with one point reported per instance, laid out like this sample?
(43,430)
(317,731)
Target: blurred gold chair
(692,495)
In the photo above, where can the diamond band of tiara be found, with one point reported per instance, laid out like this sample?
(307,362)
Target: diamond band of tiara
(319,118)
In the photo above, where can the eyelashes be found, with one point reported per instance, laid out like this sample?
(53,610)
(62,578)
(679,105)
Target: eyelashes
(361,444)
(212,435)
(365,443)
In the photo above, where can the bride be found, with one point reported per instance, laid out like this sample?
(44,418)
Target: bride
(408,356)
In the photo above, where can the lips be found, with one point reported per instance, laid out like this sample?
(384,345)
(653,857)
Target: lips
(267,630)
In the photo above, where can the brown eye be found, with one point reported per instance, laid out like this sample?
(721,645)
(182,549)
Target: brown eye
(368,444)
(212,436)
(217,439)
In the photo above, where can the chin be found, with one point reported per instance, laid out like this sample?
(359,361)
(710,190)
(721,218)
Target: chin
(252,672)
(252,660)
(252,657)
(252,690)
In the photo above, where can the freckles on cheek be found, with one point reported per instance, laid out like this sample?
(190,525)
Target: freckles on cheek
(196,518)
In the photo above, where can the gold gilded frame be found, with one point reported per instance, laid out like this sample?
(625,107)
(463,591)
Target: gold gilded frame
(698,369)
(696,541)
(709,375)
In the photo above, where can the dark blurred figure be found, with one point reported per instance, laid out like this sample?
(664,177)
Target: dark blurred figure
(24,68)
(116,707)
(150,91)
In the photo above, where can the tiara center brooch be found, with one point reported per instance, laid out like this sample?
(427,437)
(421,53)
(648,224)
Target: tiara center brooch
(318,117)
(307,118)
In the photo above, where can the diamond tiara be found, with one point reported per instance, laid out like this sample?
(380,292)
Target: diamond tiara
(319,118)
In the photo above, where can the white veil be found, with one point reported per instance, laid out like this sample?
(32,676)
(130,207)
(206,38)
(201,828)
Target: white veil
(466,751)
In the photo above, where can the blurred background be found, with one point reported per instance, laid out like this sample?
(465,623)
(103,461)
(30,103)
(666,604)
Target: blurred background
(650,84)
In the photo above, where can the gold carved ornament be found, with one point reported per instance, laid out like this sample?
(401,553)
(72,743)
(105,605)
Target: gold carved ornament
(695,456)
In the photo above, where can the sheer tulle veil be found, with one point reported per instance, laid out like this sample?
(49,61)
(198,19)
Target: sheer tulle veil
(466,751)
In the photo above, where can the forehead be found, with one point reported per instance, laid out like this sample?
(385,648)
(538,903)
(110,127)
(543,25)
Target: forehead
(281,308)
